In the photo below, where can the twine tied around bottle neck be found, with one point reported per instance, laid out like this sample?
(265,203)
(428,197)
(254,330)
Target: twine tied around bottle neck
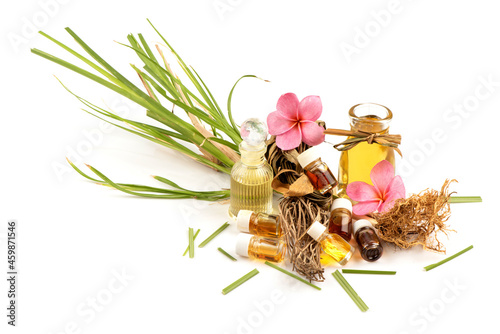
(357,137)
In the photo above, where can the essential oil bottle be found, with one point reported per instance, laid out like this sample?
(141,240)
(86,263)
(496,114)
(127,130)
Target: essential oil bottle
(253,246)
(251,176)
(368,241)
(341,218)
(317,171)
(332,245)
(260,224)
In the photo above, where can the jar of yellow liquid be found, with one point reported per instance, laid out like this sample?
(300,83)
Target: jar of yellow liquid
(356,163)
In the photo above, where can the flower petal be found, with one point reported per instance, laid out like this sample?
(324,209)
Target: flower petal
(363,208)
(288,106)
(395,190)
(310,108)
(277,124)
(361,191)
(312,133)
(290,139)
(381,175)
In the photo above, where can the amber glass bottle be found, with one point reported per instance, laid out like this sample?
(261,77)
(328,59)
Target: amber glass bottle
(259,223)
(368,241)
(341,218)
(253,246)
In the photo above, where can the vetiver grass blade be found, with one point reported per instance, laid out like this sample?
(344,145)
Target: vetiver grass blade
(286,272)
(437,264)
(465,199)
(368,272)
(229,256)
(213,235)
(194,238)
(191,243)
(239,282)
(350,291)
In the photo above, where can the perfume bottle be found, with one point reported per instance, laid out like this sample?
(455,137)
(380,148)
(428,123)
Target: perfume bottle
(260,224)
(251,176)
(333,245)
(256,247)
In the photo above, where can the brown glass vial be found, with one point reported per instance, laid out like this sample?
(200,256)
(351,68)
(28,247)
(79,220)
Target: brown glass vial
(368,241)
(261,224)
(341,218)
(317,171)
(253,246)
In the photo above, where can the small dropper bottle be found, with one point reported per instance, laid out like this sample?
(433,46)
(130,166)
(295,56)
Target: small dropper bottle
(252,246)
(341,218)
(316,170)
(368,242)
(260,224)
(332,245)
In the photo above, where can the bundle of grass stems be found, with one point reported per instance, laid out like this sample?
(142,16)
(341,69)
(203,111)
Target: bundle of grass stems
(214,134)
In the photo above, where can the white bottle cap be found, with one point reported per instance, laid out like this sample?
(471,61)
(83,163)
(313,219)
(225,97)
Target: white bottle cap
(359,224)
(308,156)
(316,230)
(243,220)
(342,203)
(242,242)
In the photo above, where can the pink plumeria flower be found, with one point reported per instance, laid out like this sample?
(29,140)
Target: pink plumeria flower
(294,122)
(381,196)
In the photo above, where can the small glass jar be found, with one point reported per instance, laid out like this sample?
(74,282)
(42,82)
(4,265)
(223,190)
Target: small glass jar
(356,164)
(341,218)
(316,170)
(256,247)
(367,240)
(332,245)
(260,223)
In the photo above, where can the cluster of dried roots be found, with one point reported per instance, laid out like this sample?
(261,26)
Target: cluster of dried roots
(417,219)
(296,216)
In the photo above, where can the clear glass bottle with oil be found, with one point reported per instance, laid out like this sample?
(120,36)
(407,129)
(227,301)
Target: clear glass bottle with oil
(256,247)
(251,176)
(333,245)
(356,164)
(259,223)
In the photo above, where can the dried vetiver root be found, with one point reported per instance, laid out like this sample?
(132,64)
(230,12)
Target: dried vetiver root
(417,220)
(296,216)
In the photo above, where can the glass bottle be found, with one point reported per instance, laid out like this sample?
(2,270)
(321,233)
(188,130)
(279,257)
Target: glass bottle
(260,224)
(368,241)
(332,245)
(256,247)
(316,170)
(341,218)
(356,164)
(251,176)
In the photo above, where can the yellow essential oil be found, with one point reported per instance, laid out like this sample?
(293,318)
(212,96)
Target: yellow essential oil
(356,164)
(260,224)
(256,247)
(251,176)
(335,248)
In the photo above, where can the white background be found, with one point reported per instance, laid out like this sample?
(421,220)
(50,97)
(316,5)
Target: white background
(425,61)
